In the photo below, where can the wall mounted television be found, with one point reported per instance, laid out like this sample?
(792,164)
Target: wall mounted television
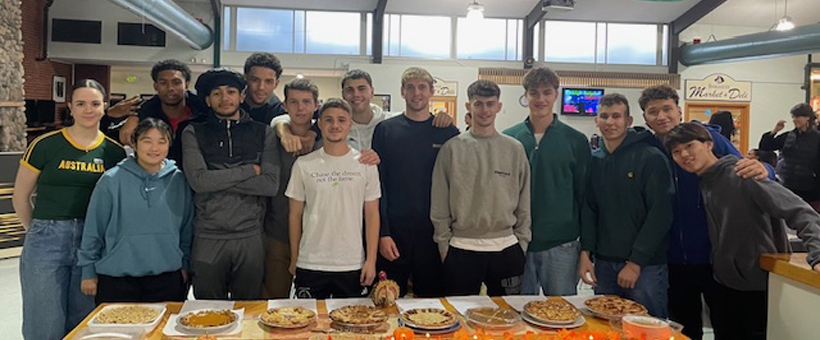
(580,101)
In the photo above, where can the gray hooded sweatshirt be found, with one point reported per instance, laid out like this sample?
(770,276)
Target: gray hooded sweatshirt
(748,218)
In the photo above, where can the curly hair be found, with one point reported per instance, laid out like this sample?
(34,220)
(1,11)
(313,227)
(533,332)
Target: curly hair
(171,64)
(264,59)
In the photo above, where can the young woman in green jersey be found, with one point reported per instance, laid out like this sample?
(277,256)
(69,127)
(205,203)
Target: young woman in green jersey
(63,166)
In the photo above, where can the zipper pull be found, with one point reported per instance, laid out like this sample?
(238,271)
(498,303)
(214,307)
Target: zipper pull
(220,144)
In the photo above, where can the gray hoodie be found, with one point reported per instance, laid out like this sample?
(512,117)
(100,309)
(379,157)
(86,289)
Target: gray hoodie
(747,218)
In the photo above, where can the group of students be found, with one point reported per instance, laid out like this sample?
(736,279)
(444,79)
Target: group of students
(245,196)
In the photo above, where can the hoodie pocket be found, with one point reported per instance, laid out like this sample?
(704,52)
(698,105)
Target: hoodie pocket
(139,255)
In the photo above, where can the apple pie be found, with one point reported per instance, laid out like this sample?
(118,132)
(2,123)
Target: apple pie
(613,307)
(428,318)
(358,315)
(288,317)
(552,310)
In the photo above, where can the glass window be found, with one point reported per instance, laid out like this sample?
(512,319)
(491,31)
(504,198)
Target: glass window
(395,37)
(568,41)
(536,45)
(298,31)
(267,30)
(424,36)
(226,29)
(600,43)
(333,32)
(513,38)
(665,46)
(369,34)
(482,39)
(632,44)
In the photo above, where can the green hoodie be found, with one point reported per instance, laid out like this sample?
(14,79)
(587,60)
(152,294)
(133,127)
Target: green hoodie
(630,195)
(558,169)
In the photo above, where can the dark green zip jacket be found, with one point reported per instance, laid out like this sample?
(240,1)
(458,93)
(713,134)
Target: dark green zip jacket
(558,169)
(630,195)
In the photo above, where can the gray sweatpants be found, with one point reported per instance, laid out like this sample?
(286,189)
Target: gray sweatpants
(230,266)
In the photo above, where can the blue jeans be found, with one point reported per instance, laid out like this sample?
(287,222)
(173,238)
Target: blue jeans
(650,290)
(50,279)
(554,270)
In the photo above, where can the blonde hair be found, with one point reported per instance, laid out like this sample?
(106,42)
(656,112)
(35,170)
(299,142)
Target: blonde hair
(416,73)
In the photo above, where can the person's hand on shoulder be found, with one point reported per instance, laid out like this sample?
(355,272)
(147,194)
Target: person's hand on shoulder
(748,168)
(442,119)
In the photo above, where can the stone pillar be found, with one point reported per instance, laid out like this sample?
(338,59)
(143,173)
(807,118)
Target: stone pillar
(12,117)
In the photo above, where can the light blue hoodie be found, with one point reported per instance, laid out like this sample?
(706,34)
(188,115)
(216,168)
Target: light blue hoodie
(138,224)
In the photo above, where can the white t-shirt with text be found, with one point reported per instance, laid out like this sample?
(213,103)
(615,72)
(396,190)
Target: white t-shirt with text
(334,190)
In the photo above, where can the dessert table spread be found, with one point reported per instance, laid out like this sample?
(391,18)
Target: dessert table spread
(253,329)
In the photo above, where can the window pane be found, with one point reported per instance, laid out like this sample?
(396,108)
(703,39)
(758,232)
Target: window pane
(369,34)
(226,29)
(567,41)
(299,32)
(425,36)
(665,46)
(512,39)
(333,32)
(632,44)
(267,30)
(536,45)
(600,44)
(395,34)
(482,39)
(520,40)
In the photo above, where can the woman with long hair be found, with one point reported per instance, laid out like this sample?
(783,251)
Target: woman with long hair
(136,243)
(63,166)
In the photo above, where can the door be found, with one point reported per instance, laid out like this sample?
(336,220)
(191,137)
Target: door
(702,111)
(448,104)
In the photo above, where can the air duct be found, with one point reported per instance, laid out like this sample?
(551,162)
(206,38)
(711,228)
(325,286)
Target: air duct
(171,18)
(800,40)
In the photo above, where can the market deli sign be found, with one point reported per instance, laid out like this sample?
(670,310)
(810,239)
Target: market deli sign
(718,87)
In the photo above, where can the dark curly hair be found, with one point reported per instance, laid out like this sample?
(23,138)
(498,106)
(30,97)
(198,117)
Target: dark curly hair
(263,59)
(661,92)
(483,88)
(171,64)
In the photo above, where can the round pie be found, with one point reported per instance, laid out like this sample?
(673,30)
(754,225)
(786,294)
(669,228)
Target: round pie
(288,317)
(358,316)
(552,310)
(428,318)
(614,307)
(208,318)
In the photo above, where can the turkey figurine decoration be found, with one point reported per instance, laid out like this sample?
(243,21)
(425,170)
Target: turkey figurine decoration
(386,291)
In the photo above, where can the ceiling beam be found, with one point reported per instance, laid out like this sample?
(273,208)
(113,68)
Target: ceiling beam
(535,16)
(216,7)
(698,11)
(378,32)
(688,18)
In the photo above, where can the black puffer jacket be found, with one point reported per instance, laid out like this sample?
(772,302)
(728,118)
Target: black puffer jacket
(800,153)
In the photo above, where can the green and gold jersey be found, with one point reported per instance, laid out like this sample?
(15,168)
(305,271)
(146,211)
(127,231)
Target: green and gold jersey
(68,172)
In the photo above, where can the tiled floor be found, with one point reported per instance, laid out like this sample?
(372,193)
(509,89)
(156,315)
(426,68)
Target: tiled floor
(11,309)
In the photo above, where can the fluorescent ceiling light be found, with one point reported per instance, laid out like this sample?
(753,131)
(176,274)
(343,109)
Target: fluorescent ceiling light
(475,11)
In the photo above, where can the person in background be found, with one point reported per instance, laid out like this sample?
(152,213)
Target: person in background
(690,271)
(630,195)
(768,157)
(136,244)
(724,120)
(173,104)
(408,145)
(800,152)
(468,119)
(331,193)
(64,166)
(483,230)
(232,164)
(746,219)
(301,100)
(262,71)
(559,158)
